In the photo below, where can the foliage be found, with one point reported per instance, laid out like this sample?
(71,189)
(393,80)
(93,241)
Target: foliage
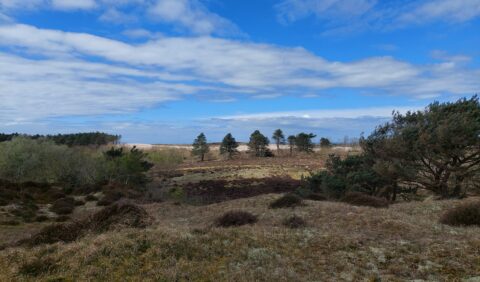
(23,159)
(278,137)
(128,168)
(354,173)
(235,218)
(76,139)
(362,199)
(286,201)
(464,215)
(304,143)
(200,146)
(436,149)
(258,145)
(229,145)
(325,142)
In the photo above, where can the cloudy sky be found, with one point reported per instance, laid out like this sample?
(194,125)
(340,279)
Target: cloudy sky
(162,71)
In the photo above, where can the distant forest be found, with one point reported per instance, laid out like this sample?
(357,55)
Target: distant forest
(76,139)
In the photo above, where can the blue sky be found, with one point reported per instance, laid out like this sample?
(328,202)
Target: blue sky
(162,71)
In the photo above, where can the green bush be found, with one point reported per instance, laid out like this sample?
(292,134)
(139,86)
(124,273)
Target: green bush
(128,168)
(37,160)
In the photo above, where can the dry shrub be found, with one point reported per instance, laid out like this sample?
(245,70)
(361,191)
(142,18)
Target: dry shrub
(294,221)
(119,215)
(37,267)
(287,201)
(464,215)
(235,218)
(362,199)
(316,197)
(91,198)
(109,198)
(63,206)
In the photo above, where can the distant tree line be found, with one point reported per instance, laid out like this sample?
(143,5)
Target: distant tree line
(76,139)
(258,144)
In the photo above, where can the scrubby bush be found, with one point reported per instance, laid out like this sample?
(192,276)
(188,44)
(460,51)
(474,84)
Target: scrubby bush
(119,215)
(63,206)
(128,168)
(235,218)
(42,161)
(109,198)
(294,221)
(362,199)
(287,201)
(463,215)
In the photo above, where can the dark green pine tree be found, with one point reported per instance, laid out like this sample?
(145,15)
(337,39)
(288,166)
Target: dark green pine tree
(200,147)
(229,146)
(258,144)
(279,138)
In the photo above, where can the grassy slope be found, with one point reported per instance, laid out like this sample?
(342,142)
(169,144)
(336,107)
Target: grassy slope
(341,242)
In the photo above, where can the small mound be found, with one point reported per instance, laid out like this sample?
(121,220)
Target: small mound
(294,222)
(316,197)
(361,199)
(63,206)
(287,201)
(115,216)
(119,215)
(464,215)
(235,218)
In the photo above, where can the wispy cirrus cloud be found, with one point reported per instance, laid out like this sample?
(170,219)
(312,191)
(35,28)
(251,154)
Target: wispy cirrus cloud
(354,15)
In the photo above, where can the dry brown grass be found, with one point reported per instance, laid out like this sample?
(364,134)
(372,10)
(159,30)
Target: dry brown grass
(340,243)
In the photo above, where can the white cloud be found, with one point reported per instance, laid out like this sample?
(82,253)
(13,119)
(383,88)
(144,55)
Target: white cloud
(73,4)
(442,10)
(341,16)
(191,15)
(293,10)
(64,72)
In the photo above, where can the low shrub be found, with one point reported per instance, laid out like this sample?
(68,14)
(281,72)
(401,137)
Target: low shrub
(316,197)
(464,215)
(79,203)
(91,198)
(10,222)
(235,218)
(287,201)
(362,199)
(63,206)
(294,221)
(118,215)
(109,198)
(27,211)
(41,218)
(37,267)
(62,218)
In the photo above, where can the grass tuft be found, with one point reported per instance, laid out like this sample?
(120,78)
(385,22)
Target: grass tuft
(287,201)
